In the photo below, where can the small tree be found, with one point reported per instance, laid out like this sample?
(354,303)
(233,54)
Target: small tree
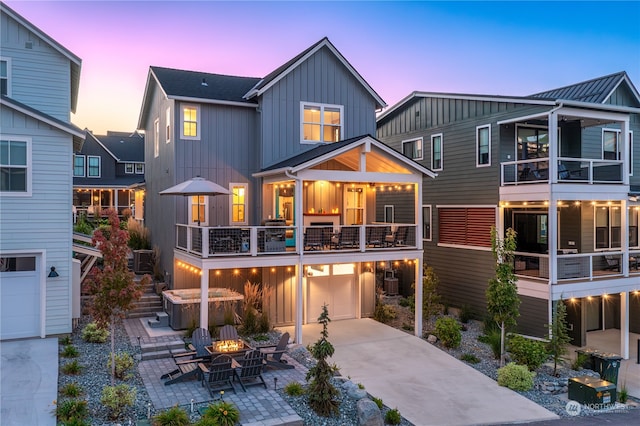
(502,293)
(558,334)
(321,392)
(113,286)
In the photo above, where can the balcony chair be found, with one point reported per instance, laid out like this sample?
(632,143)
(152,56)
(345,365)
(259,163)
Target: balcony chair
(349,237)
(314,239)
(613,263)
(400,236)
(376,236)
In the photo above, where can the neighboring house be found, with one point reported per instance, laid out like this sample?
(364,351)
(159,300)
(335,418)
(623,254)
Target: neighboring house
(561,169)
(294,150)
(109,173)
(39,84)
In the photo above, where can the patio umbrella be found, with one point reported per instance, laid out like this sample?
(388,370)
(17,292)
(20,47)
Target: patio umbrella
(197,186)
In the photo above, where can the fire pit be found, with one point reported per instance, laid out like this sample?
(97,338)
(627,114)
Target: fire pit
(229,345)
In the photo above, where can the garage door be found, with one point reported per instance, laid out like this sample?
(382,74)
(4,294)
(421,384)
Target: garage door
(19,297)
(333,285)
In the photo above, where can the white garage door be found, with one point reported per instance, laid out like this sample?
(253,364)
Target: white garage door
(19,297)
(333,285)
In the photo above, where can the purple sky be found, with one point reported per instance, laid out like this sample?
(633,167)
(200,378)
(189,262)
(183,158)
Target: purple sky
(507,48)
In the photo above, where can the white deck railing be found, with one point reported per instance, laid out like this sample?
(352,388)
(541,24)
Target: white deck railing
(573,170)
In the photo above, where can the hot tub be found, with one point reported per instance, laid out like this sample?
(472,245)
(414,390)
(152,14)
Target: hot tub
(183,306)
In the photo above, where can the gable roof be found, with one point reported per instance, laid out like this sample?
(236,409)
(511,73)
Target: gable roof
(77,134)
(311,157)
(597,90)
(284,69)
(76,62)
(123,147)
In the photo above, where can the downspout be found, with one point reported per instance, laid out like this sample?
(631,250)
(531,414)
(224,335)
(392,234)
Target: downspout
(553,177)
(300,247)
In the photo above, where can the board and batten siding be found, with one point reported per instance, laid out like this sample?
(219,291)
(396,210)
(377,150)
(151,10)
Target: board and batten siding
(39,77)
(42,222)
(323,79)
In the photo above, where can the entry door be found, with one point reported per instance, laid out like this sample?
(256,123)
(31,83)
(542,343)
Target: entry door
(594,313)
(336,291)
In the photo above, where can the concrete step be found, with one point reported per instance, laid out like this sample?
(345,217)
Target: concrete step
(150,314)
(173,345)
(162,320)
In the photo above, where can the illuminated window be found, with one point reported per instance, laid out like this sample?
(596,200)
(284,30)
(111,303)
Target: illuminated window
(320,123)
(15,166)
(156,138)
(93,168)
(168,126)
(78,165)
(436,152)
(128,168)
(139,168)
(483,146)
(412,148)
(238,200)
(198,210)
(191,122)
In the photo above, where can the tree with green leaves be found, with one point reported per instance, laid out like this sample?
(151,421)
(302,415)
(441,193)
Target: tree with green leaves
(112,286)
(558,334)
(430,297)
(321,391)
(502,294)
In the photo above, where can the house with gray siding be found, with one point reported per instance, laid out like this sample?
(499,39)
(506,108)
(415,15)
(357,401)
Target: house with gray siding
(295,151)
(108,173)
(39,88)
(560,168)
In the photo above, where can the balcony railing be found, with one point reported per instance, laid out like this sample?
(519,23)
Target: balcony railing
(583,266)
(573,170)
(274,240)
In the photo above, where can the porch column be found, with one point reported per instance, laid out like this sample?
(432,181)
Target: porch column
(204,299)
(418,277)
(624,324)
(115,199)
(299,220)
(553,147)
(552,241)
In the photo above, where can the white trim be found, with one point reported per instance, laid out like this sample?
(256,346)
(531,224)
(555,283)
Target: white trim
(629,85)
(441,152)
(156,138)
(7,59)
(141,172)
(212,101)
(466,206)
(70,128)
(84,165)
(419,157)
(190,204)
(246,202)
(617,133)
(126,168)
(630,152)
(524,118)
(610,209)
(478,128)
(459,246)
(322,107)
(29,167)
(89,157)
(198,122)
(99,142)
(430,238)
(167,126)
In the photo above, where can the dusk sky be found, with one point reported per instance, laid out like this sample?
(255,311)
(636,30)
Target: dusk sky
(506,48)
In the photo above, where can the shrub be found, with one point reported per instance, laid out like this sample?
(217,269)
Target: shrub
(378,402)
(384,313)
(470,358)
(405,302)
(71,368)
(360,386)
(221,413)
(448,331)
(71,390)
(250,321)
(322,392)
(69,351)
(94,334)
(118,398)
(294,389)
(623,395)
(66,340)
(83,226)
(407,327)
(493,339)
(75,422)
(260,338)
(72,409)
(531,353)
(264,323)
(516,377)
(580,361)
(466,314)
(393,417)
(124,362)
(174,416)
(138,235)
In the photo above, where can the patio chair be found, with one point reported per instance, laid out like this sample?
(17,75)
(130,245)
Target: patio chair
(186,370)
(314,239)
(218,375)
(250,371)
(400,236)
(349,237)
(273,353)
(228,332)
(199,339)
(613,263)
(376,236)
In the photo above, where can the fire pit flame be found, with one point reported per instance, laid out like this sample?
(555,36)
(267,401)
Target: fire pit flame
(229,345)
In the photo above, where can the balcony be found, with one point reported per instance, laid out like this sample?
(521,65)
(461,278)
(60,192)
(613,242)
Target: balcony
(571,170)
(281,240)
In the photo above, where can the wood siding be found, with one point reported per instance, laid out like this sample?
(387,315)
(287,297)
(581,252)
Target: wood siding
(40,76)
(320,79)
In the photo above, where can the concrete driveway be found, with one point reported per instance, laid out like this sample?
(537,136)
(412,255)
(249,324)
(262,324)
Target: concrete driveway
(28,382)
(428,386)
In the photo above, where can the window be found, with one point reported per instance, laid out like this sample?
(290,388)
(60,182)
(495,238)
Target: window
(139,168)
(128,168)
(198,210)
(168,126)
(631,153)
(389,214)
(532,142)
(483,146)
(607,224)
(610,144)
(156,138)
(15,166)
(190,122)
(320,123)
(238,202)
(466,226)
(436,152)
(78,165)
(412,148)
(634,216)
(426,223)
(5,76)
(17,264)
(93,168)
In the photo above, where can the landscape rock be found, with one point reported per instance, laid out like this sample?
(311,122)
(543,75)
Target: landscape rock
(357,394)
(432,339)
(368,413)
